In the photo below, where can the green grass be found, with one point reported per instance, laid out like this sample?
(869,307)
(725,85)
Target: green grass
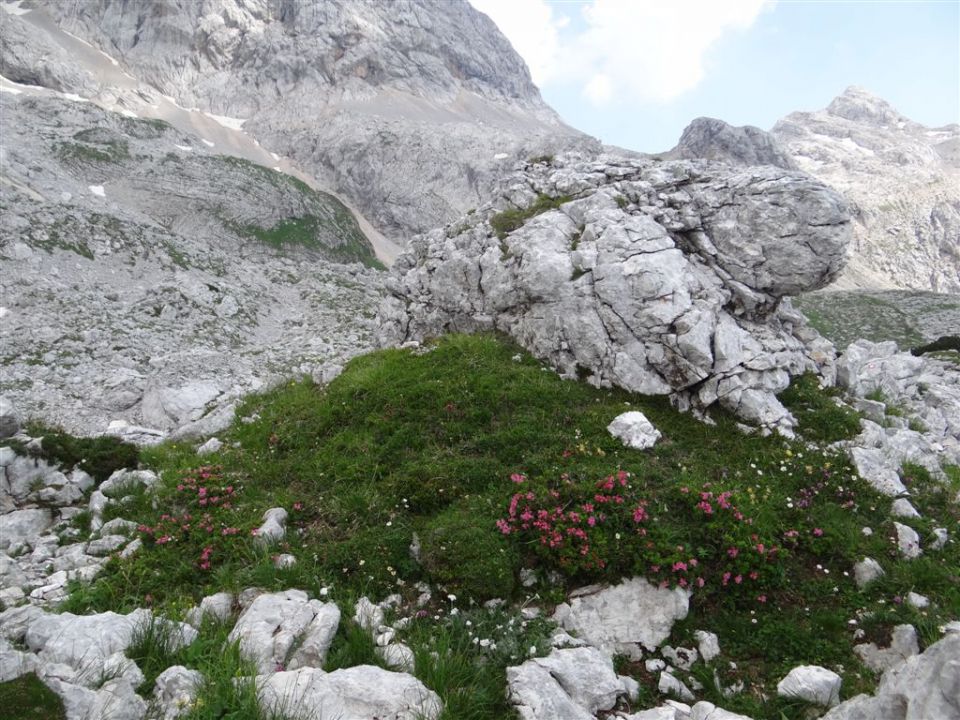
(27,698)
(507,221)
(819,417)
(424,443)
(84,153)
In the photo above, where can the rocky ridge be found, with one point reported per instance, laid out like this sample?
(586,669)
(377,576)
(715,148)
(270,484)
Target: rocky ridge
(413,106)
(662,278)
(145,274)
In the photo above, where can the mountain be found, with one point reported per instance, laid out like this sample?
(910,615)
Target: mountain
(409,108)
(901,179)
(145,276)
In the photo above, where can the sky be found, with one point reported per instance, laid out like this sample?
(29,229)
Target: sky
(635,72)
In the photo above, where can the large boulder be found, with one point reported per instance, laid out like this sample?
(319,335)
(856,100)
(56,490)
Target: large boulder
(922,687)
(275,622)
(661,278)
(623,619)
(358,692)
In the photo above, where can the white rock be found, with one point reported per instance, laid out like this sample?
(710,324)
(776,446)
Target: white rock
(367,615)
(904,509)
(811,683)
(218,607)
(917,600)
(271,625)
(106,545)
(708,644)
(681,657)
(284,560)
(631,688)
(274,526)
(903,644)
(358,692)
(940,537)
(623,618)
(15,663)
(23,526)
(654,665)
(124,482)
(317,638)
(635,430)
(866,571)
(87,642)
(175,689)
(708,711)
(209,447)
(908,541)
(9,419)
(670,685)
(397,656)
(923,687)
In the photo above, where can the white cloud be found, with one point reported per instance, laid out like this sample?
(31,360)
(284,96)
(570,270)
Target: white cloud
(533,30)
(646,50)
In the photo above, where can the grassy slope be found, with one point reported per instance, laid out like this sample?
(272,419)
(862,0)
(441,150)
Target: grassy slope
(406,443)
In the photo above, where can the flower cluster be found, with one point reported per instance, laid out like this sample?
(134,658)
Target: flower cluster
(569,530)
(615,526)
(200,514)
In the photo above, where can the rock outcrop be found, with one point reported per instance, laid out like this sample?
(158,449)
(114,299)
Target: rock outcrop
(901,179)
(662,278)
(711,139)
(408,108)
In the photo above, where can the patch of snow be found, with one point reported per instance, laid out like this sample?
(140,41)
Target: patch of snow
(13,7)
(501,156)
(207,142)
(74,97)
(11,90)
(227,122)
(848,143)
(185,148)
(98,190)
(127,113)
(277,168)
(274,156)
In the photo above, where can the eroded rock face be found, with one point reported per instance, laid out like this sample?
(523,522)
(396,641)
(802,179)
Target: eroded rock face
(358,692)
(623,619)
(923,686)
(662,278)
(711,139)
(573,683)
(413,105)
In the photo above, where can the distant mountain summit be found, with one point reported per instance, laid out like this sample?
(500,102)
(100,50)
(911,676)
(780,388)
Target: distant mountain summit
(901,178)
(408,107)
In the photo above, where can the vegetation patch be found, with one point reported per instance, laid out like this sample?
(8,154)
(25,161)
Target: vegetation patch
(114,151)
(820,416)
(489,466)
(27,698)
(507,221)
(99,457)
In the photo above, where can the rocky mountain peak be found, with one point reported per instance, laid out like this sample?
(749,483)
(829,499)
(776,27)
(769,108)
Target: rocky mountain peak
(341,49)
(862,106)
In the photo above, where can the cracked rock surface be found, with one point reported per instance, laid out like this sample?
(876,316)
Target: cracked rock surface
(662,278)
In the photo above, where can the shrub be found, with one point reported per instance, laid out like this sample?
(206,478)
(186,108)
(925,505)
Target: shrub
(509,220)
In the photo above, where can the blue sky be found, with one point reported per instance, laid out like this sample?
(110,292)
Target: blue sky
(635,72)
